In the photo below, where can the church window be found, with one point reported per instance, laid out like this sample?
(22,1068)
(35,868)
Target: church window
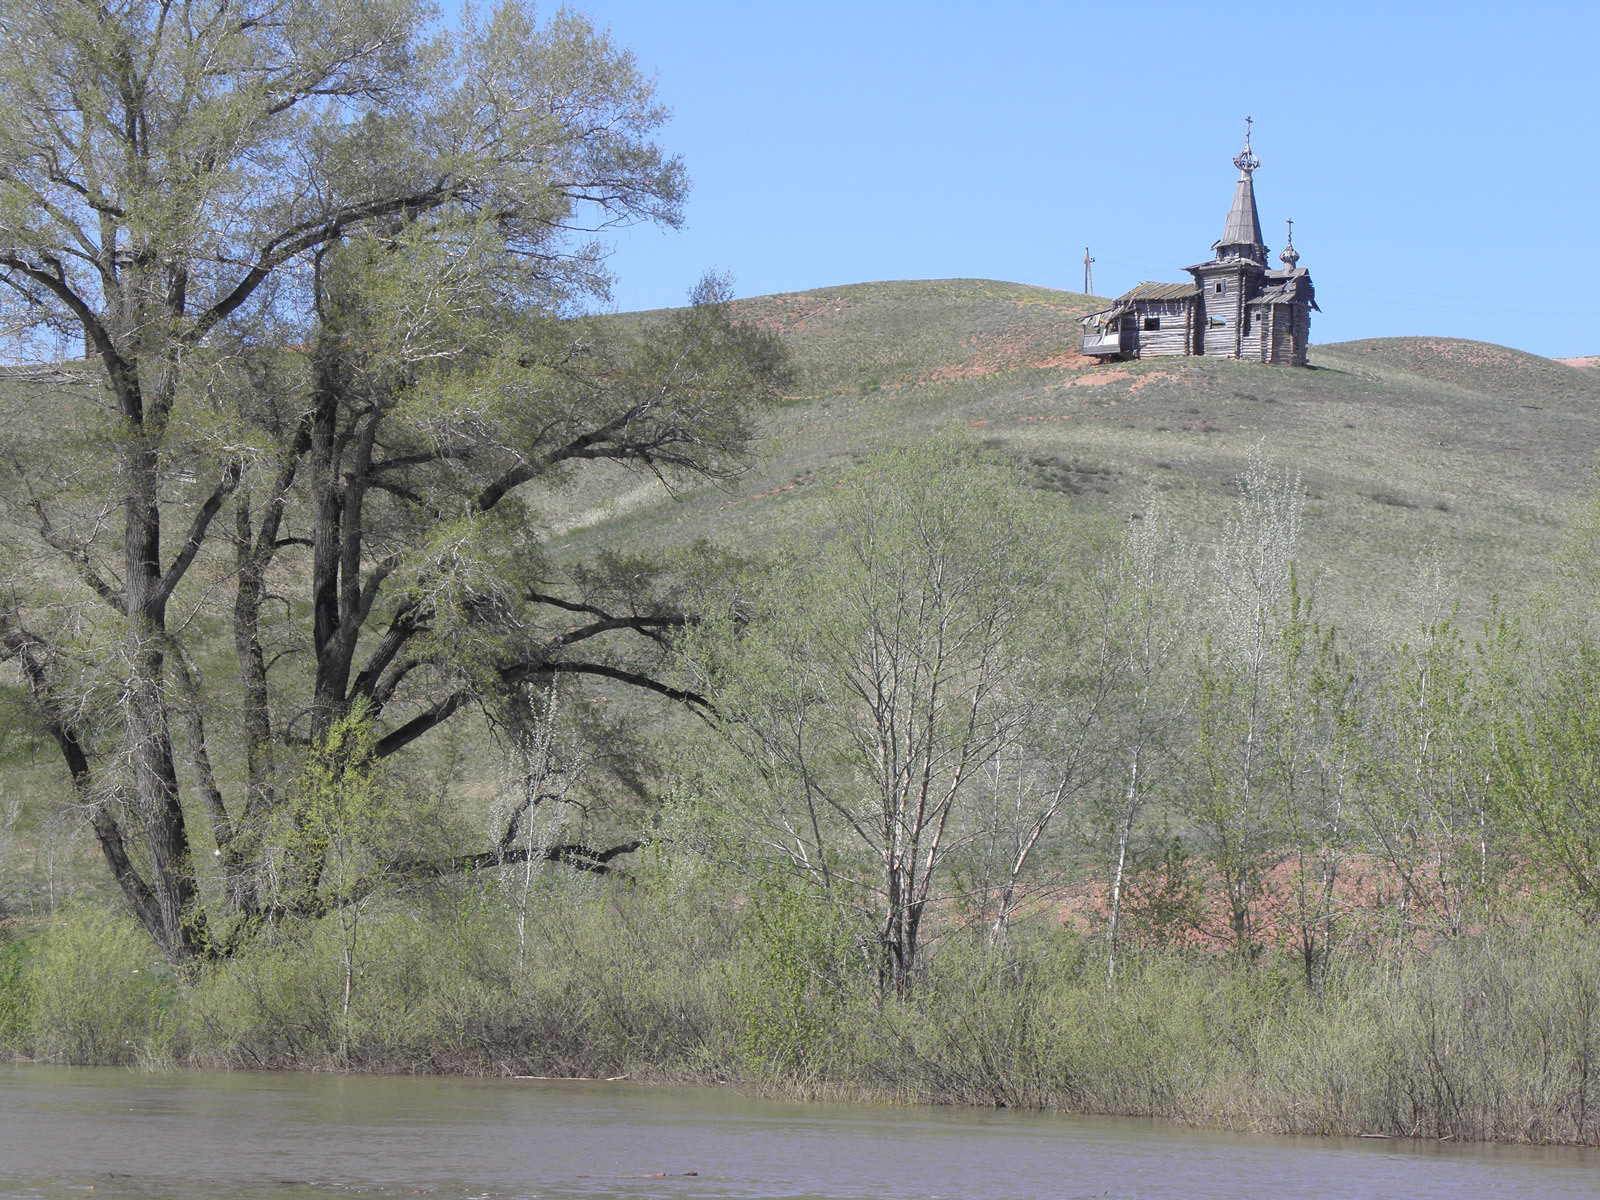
(1152,323)
(1219,287)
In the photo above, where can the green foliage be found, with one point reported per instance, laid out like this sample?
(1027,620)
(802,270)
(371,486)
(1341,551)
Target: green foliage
(343,815)
(22,734)
(804,958)
(1427,770)
(921,639)
(1165,903)
(1547,786)
(607,985)
(16,961)
(1492,1037)
(97,992)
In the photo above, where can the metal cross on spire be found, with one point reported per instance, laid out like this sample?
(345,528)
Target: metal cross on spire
(1247,161)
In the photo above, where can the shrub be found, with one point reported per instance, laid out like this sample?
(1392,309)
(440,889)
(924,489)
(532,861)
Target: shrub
(15,952)
(98,992)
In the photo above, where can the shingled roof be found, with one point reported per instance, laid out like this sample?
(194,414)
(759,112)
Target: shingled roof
(1288,287)
(1159,291)
(1243,227)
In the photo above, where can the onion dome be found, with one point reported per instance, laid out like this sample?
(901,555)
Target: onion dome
(1290,255)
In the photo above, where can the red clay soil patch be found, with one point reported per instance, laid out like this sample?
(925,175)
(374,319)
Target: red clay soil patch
(990,356)
(787,487)
(1100,378)
(1071,361)
(1583,364)
(1145,381)
(1363,898)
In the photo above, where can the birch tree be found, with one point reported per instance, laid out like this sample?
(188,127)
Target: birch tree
(1144,586)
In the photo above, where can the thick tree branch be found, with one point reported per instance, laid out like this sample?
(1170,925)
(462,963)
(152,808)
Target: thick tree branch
(650,627)
(307,235)
(402,628)
(575,854)
(197,533)
(409,496)
(437,714)
(496,491)
(27,649)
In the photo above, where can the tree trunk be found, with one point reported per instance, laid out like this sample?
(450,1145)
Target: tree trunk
(155,782)
(1122,860)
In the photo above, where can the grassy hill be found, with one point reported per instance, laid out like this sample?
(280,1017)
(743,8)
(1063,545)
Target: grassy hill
(1423,458)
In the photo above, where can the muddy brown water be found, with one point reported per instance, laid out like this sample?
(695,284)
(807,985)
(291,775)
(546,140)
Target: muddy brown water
(106,1133)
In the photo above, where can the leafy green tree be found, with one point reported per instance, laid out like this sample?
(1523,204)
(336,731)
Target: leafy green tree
(875,678)
(1315,775)
(1427,772)
(328,268)
(1547,781)
(1144,589)
(332,834)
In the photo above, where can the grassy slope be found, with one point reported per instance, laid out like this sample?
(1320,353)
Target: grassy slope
(1420,455)
(1415,451)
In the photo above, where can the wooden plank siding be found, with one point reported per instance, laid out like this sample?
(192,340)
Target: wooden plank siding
(1302,334)
(1282,349)
(1227,306)
(1176,332)
(1280,332)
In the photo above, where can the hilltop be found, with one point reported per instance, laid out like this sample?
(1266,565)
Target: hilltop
(1423,458)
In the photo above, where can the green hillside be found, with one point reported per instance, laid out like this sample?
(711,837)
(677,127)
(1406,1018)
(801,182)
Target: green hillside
(1421,456)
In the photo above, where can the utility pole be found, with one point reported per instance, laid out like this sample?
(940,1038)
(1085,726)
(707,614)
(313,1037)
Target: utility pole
(1088,275)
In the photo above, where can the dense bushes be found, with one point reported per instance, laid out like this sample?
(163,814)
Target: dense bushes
(92,988)
(1483,1037)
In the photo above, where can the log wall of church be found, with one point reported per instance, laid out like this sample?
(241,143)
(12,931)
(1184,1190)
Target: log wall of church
(1176,334)
(1282,333)
(1224,311)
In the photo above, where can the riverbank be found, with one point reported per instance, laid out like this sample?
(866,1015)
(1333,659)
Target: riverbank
(1494,1037)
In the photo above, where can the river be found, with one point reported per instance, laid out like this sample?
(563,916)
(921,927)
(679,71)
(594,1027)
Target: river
(103,1133)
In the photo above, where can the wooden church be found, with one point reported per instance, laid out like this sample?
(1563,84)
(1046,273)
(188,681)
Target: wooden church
(1235,307)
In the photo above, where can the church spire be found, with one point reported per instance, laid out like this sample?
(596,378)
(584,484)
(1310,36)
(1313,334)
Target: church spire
(1241,236)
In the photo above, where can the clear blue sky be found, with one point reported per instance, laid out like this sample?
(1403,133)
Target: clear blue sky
(1439,160)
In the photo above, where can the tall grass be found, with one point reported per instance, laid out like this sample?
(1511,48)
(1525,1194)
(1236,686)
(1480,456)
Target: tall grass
(1491,1037)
